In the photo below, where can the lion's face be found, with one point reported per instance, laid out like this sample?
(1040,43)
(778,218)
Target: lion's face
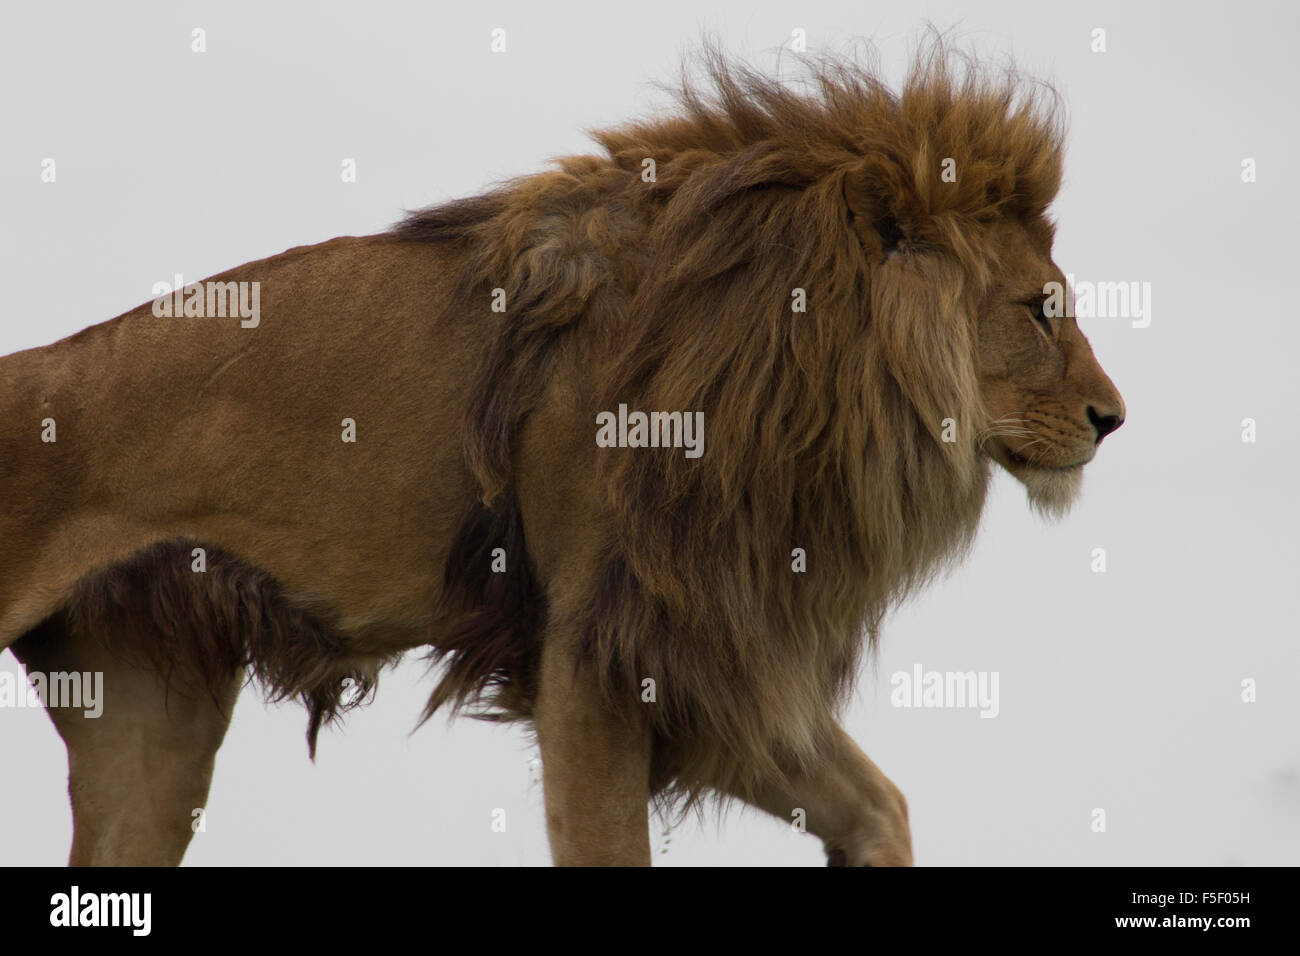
(1050,403)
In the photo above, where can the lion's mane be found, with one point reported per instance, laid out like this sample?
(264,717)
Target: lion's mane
(825,428)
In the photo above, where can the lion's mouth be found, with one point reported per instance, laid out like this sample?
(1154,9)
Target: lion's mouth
(1018,461)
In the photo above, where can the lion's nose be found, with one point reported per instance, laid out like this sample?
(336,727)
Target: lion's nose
(1104,423)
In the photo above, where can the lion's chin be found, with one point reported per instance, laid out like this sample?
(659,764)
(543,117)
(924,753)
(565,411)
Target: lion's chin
(1051,490)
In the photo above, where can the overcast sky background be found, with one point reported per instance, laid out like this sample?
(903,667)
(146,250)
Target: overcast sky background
(1119,690)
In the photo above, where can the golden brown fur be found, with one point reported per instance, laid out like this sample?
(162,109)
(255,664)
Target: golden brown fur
(861,431)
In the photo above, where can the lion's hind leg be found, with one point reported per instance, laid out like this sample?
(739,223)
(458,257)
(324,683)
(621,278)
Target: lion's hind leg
(167,644)
(141,747)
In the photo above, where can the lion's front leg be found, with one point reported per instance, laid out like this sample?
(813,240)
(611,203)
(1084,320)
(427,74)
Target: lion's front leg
(857,811)
(595,765)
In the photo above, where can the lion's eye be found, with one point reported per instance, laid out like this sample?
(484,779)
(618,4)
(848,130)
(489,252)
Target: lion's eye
(1038,315)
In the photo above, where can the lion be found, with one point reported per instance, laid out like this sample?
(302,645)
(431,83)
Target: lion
(847,286)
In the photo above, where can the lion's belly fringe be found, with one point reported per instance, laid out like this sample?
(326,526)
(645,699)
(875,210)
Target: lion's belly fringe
(155,609)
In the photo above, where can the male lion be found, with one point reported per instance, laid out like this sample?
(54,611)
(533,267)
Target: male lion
(848,283)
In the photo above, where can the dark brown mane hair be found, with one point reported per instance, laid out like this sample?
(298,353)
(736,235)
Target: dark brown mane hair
(824,427)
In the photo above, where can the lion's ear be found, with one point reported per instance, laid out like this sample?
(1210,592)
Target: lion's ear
(878,199)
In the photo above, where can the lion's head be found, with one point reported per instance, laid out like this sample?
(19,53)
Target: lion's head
(957,199)
(1049,404)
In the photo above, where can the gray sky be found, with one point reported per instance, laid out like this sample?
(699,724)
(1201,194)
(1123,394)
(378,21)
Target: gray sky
(1118,690)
